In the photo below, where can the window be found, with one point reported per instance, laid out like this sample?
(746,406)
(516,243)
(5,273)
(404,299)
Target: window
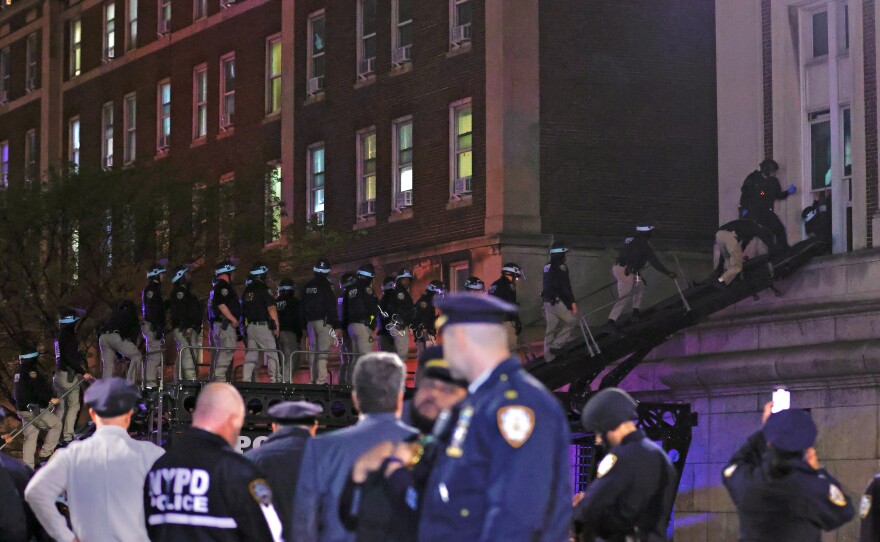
(199,220)
(227,91)
(847,143)
(820,149)
(461,166)
(200,9)
(129,113)
(403,163)
(458,274)
(163,114)
(820,33)
(273,204)
(4,164)
(32,61)
(366,172)
(107,135)
(200,102)
(30,155)
(75,60)
(132,25)
(366,37)
(164,20)
(843,29)
(273,75)
(317,49)
(316,184)
(5,75)
(109,31)
(403,32)
(460,22)
(226,209)
(73,142)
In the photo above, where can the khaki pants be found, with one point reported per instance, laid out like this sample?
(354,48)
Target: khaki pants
(186,359)
(319,341)
(111,344)
(288,344)
(626,284)
(49,422)
(361,343)
(155,351)
(223,338)
(68,410)
(727,248)
(401,344)
(512,338)
(559,327)
(260,336)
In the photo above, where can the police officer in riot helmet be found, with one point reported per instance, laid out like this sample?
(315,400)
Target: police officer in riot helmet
(474,285)
(633,494)
(226,312)
(153,323)
(560,308)
(70,370)
(426,315)
(290,321)
(347,282)
(320,312)
(387,326)
(33,395)
(505,289)
(261,321)
(400,309)
(361,311)
(185,311)
(119,336)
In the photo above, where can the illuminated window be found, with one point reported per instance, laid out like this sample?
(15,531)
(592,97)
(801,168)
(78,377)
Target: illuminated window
(200,101)
(273,75)
(366,173)
(403,162)
(316,184)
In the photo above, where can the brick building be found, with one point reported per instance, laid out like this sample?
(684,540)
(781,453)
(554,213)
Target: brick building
(450,135)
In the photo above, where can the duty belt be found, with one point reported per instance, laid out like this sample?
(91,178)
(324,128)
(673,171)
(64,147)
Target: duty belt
(260,323)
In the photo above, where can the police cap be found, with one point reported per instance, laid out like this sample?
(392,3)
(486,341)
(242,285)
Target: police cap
(436,286)
(348,280)
(434,366)
(179,272)
(111,397)
(155,270)
(389,283)
(367,270)
(645,226)
(473,309)
(28,355)
(67,316)
(322,266)
(295,412)
(607,409)
(224,267)
(259,268)
(513,269)
(474,283)
(558,247)
(404,273)
(791,430)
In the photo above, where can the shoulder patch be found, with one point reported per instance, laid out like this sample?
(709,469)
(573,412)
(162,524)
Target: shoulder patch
(606,465)
(492,289)
(17,377)
(179,295)
(836,496)
(149,294)
(368,290)
(628,240)
(865,506)
(224,292)
(547,268)
(563,267)
(401,296)
(352,293)
(261,492)
(516,424)
(423,304)
(728,472)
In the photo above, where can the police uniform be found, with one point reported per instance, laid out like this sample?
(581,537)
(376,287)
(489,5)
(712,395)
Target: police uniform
(291,328)
(633,493)
(319,309)
(634,254)
(119,336)
(32,396)
(280,455)
(223,330)
(17,522)
(400,307)
(757,199)
(505,289)
(153,325)
(361,314)
(505,473)
(69,372)
(558,302)
(796,505)
(261,329)
(387,325)
(203,490)
(870,519)
(731,239)
(424,319)
(186,323)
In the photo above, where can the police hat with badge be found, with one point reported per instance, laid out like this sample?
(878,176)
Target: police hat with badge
(67,316)
(470,309)
(286,285)
(295,412)
(259,271)
(179,272)
(111,397)
(432,365)
(224,267)
(156,270)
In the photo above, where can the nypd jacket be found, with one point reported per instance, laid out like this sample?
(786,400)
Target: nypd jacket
(319,301)
(505,289)
(153,306)
(288,309)
(202,490)
(557,285)
(223,294)
(67,355)
(185,308)
(361,306)
(401,304)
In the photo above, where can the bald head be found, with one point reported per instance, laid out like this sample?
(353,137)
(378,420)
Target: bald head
(471,349)
(220,410)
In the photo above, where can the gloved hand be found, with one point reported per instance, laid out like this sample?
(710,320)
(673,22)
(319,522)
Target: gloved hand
(743,213)
(791,189)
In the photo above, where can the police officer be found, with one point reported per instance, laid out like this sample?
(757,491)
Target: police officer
(294,423)
(261,319)
(186,320)
(202,489)
(400,310)
(759,193)
(361,312)
(119,335)
(634,490)
(505,289)
(153,321)
(70,370)
(320,313)
(437,391)
(505,473)
(226,312)
(386,325)
(731,240)
(560,309)
(347,281)
(870,519)
(33,396)
(290,325)
(817,219)
(780,490)
(634,254)
(474,285)
(426,315)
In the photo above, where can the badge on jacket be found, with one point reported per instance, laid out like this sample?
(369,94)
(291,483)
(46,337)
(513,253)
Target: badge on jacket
(516,424)
(400,296)
(261,492)
(836,496)
(149,294)
(606,465)
(865,506)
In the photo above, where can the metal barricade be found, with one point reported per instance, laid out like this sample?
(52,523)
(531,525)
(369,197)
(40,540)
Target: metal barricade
(178,376)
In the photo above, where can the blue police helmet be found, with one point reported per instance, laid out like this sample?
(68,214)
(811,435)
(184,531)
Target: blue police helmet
(155,270)
(367,270)
(179,272)
(224,267)
(286,285)
(436,286)
(607,409)
(67,316)
(791,430)
(645,226)
(348,280)
(259,269)
(474,284)
(322,266)
(558,247)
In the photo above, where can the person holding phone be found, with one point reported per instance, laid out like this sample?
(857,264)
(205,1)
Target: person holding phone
(780,490)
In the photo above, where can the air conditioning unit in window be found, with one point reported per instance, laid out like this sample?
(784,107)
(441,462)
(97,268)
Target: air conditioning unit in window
(227,121)
(316,85)
(461,186)
(319,218)
(163,143)
(108,161)
(367,67)
(404,199)
(227,3)
(402,55)
(460,34)
(367,208)
(164,27)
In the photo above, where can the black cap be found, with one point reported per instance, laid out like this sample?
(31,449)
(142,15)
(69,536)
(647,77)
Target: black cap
(367,270)
(558,247)
(347,280)
(791,430)
(179,272)
(28,355)
(224,267)
(111,397)
(295,412)
(473,309)
(404,273)
(607,409)
(769,166)
(432,365)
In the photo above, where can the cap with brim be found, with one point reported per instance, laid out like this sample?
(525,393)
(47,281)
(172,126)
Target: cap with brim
(294,412)
(790,430)
(471,309)
(111,397)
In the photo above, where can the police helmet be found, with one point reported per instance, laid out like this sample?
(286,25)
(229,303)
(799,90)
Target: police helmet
(558,247)
(322,266)
(258,269)
(223,268)
(348,280)
(607,409)
(28,355)
(286,285)
(645,226)
(67,316)
(367,270)
(810,213)
(404,273)
(179,272)
(436,286)
(474,284)
(155,270)
(389,283)
(512,269)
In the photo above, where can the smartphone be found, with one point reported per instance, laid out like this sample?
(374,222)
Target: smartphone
(781,400)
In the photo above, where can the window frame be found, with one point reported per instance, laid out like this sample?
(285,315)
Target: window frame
(200,9)
(229,123)
(4,164)
(312,56)
(74,136)
(129,127)
(366,67)
(161,116)
(455,23)
(31,155)
(396,26)
(75,53)
(163,23)
(398,164)
(109,31)
(362,174)
(32,61)
(455,267)
(310,183)
(273,78)
(5,74)
(454,151)
(107,124)
(131,23)
(200,102)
